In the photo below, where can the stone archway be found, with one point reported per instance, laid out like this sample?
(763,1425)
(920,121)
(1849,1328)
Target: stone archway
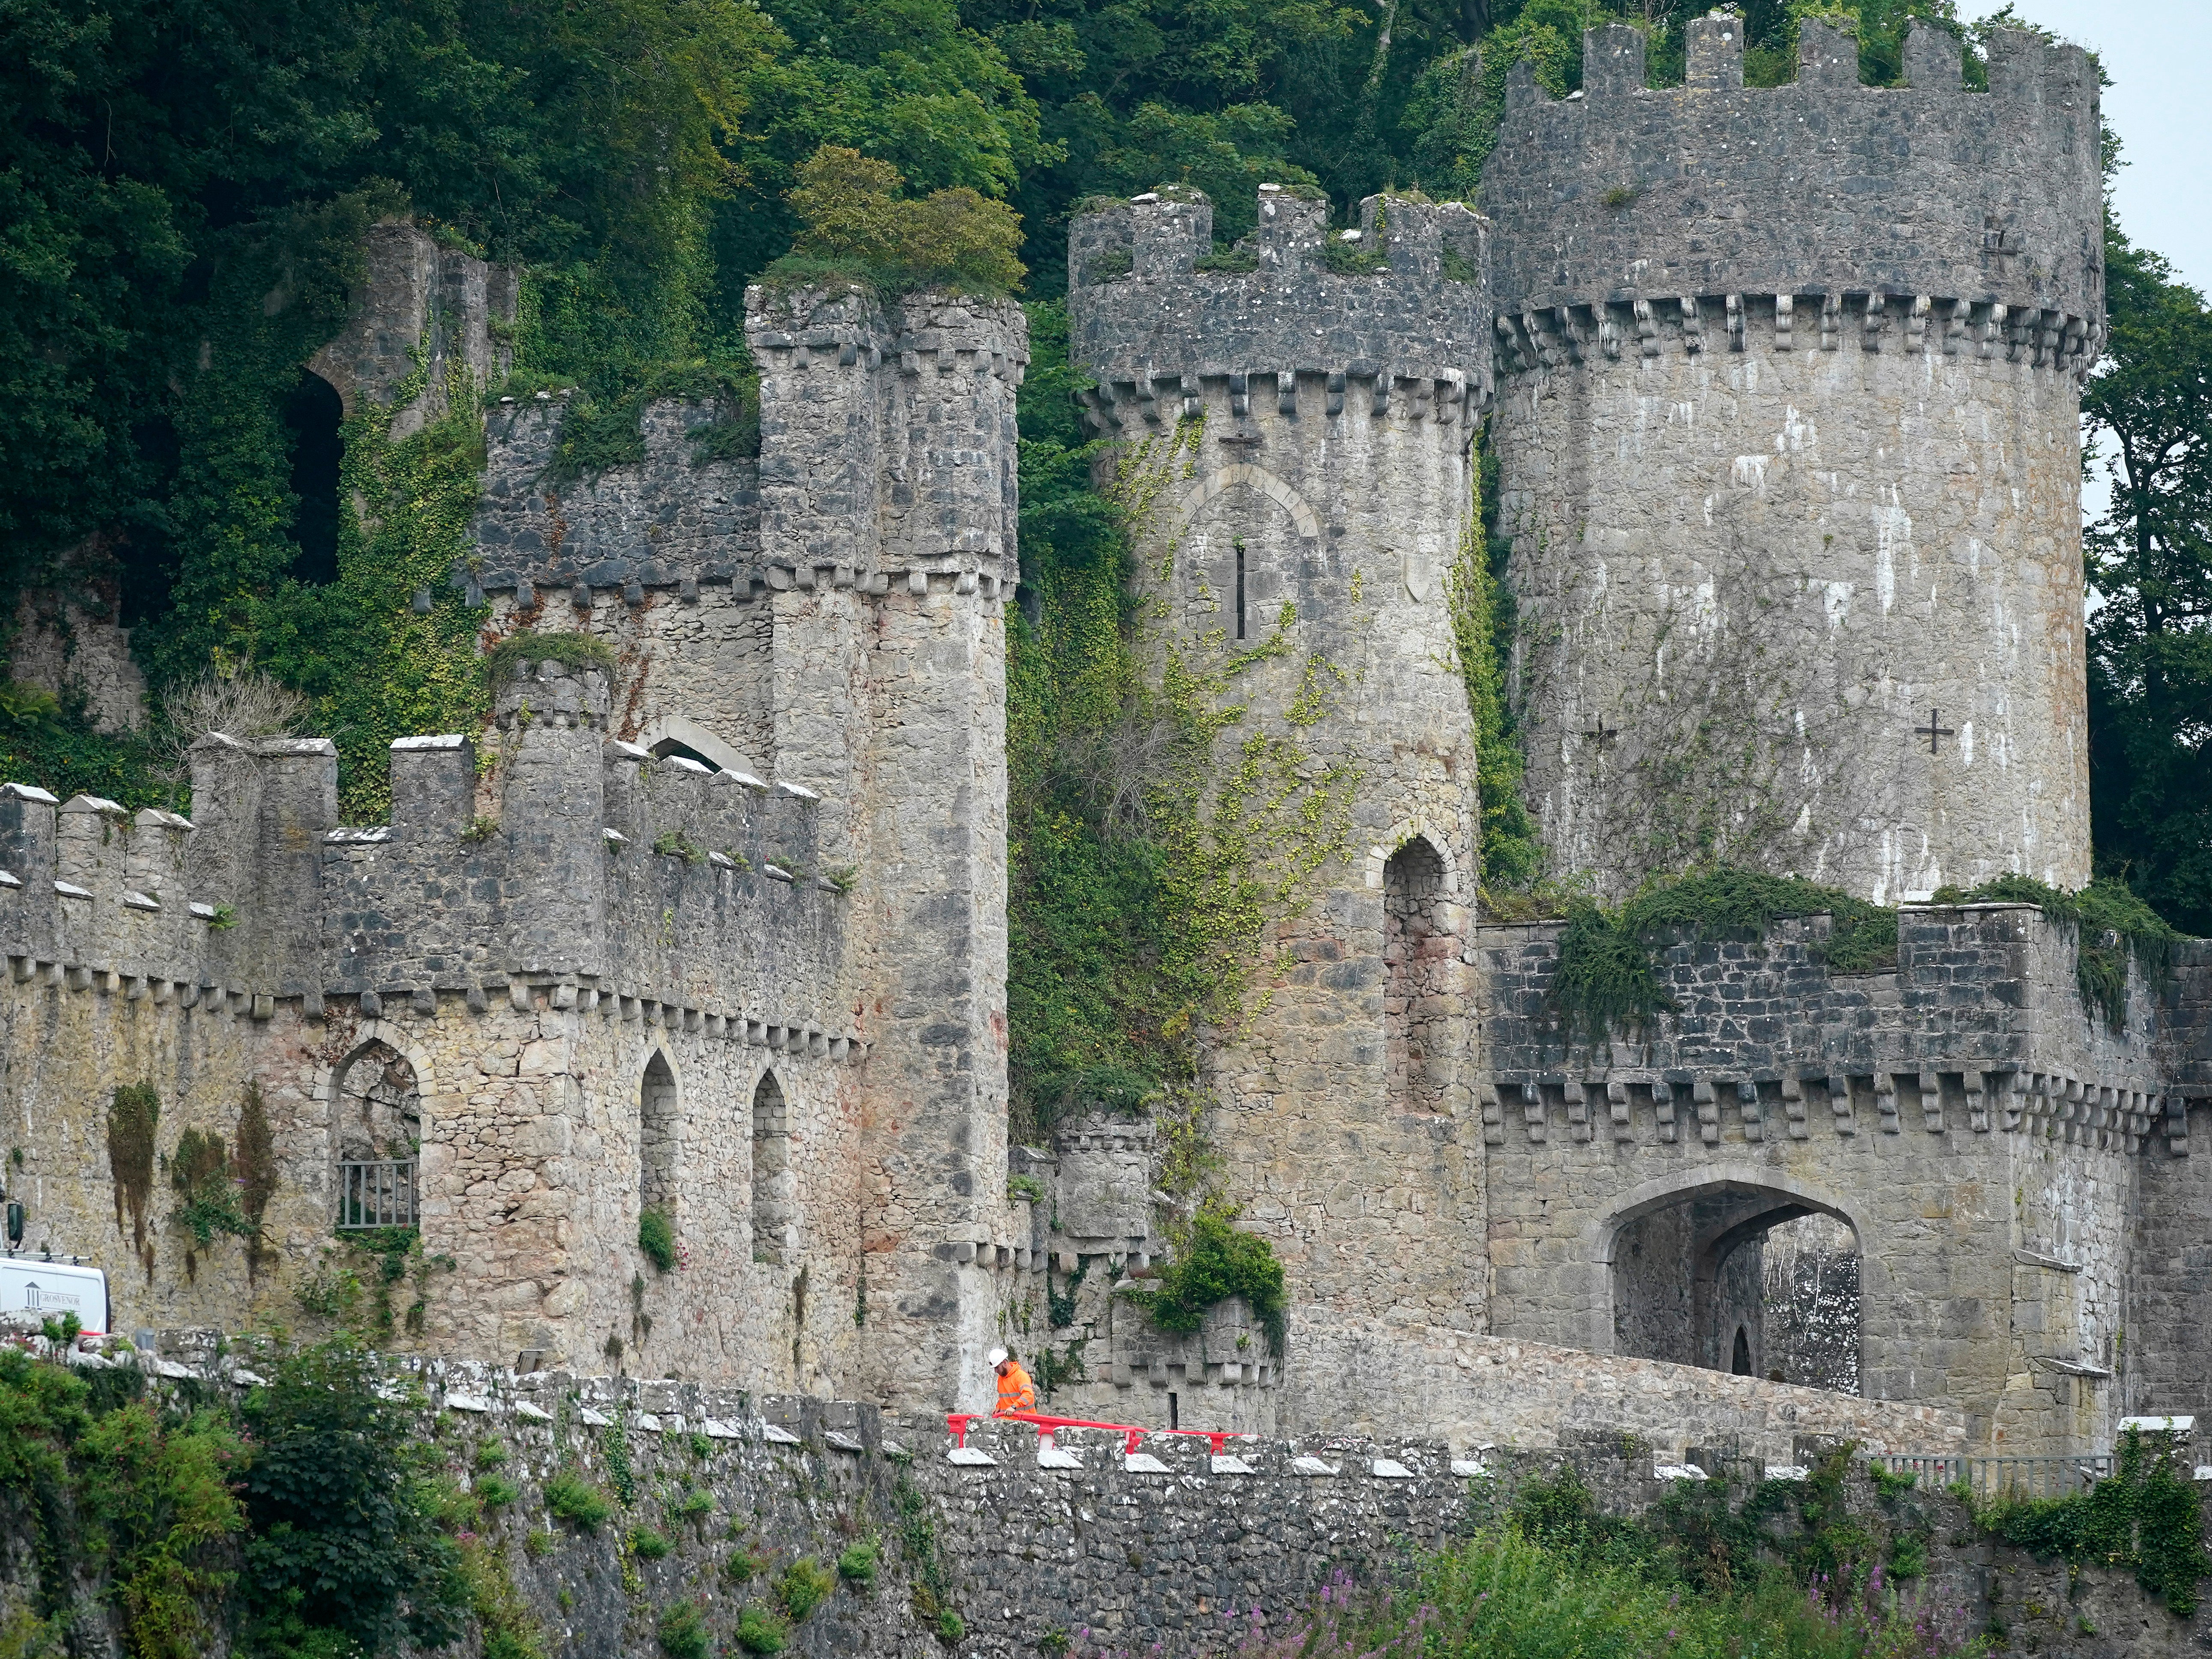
(1686,1280)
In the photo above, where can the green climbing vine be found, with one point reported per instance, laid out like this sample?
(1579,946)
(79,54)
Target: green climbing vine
(1607,975)
(400,656)
(1482,618)
(2146,1518)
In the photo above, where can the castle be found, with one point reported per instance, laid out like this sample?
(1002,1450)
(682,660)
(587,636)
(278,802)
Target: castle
(1783,389)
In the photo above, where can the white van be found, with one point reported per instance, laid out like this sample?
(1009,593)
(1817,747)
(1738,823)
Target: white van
(54,1288)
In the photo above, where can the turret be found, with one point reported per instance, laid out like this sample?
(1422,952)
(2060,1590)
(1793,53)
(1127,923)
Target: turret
(1295,423)
(1787,433)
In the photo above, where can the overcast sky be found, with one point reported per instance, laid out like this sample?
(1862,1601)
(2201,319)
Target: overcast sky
(2155,52)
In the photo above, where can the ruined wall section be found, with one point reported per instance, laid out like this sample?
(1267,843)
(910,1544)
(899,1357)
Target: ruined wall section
(1295,445)
(426,309)
(1788,437)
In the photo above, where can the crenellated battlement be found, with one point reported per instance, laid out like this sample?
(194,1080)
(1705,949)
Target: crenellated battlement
(600,871)
(1153,327)
(887,420)
(1822,189)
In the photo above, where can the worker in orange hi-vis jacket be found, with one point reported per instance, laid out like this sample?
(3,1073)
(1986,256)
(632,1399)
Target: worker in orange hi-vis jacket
(1016,1392)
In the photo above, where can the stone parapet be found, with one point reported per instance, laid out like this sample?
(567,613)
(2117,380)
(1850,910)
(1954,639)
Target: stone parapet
(1151,324)
(1823,187)
(598,870)
(1980,1025)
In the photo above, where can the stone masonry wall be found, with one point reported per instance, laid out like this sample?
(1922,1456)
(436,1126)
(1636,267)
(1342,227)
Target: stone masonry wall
(1169,1548)
(63,648)
(1794,497)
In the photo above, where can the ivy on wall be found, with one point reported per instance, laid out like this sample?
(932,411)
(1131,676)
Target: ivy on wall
(1608,974)
(2145,1518)
(1483,619)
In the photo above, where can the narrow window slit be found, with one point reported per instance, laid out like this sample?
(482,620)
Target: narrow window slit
(1240,590)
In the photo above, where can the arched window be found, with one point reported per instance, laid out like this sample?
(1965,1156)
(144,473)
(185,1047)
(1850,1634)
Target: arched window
(1416,949)
(1740,1361)
(376,1132)
(776,1184)
(657,1136)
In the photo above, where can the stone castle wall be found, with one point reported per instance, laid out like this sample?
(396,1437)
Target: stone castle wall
(1794,495)
(1167,1552)
(1992,1145)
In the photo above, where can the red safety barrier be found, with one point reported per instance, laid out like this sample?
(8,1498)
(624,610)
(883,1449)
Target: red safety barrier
(958,1422)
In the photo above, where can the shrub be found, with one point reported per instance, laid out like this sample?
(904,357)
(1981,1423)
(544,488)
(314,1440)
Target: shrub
(804,1586)
(648,1543)
(695,1503)
(858,1564)
(496,1492)
(1212,1262)
(345,1535)
(684,1632)
(577,1501)
(656,1237)
(759,1631)
(851,212)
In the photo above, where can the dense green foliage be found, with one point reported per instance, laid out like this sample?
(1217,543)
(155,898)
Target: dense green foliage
(1095,1003)
(1786,1570)
(114,1486)
(2150,562)
(2146,1518)
(1213,1260)
(343,1537)
(307,1516)
(1608,976)
(43,741)
(854,214)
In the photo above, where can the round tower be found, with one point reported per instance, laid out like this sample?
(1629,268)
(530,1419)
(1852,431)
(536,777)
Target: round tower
(1789,431)
(1294,456)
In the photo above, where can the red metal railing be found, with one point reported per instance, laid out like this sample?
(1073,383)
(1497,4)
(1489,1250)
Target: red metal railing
(1046,1427)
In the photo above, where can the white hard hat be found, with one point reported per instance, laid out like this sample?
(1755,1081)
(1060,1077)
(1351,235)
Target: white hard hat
(996,1357)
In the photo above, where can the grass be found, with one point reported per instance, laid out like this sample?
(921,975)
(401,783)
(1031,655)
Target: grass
(1501,1595)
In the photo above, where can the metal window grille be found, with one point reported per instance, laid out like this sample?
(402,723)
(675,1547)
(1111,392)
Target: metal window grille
(377,1194)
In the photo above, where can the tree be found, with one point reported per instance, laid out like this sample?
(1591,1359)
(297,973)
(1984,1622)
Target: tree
(2150,565)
